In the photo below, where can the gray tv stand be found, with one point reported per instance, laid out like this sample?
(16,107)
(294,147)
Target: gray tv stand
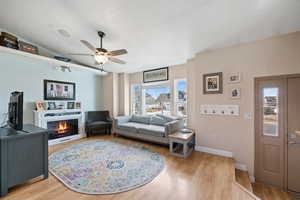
(23,156)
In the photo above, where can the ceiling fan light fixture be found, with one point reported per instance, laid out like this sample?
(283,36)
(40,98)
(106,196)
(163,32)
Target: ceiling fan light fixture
(101,59)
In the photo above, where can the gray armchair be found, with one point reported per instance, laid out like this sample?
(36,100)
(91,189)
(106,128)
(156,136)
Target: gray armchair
(98,121)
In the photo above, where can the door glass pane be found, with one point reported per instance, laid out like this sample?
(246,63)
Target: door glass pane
(270,109)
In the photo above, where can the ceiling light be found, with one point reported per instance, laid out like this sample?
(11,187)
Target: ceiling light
(101,59)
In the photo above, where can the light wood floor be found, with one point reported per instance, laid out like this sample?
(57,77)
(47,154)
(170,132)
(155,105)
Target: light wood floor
(200,177)
(262,191)
(267,193)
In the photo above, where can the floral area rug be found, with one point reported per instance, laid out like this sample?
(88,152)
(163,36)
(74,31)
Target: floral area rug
(105,167)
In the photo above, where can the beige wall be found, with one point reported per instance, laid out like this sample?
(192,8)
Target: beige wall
(175,72)
(123,94)
(275,56)
(111,94)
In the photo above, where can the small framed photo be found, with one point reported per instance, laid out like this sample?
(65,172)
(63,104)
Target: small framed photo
(40,105)
(234,78)
(213,83)
(71,105)
(60,105)
(235,93)
(78,105)
(51,105)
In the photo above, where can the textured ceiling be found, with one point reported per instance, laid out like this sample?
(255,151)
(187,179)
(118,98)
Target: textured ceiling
(156,33)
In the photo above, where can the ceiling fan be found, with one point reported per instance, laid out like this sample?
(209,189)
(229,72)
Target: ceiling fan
(102,55)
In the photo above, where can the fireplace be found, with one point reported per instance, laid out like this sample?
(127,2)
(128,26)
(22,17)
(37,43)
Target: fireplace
(62,128)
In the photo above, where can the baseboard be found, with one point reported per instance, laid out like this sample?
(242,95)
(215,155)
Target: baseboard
(252,179)
(241,166)
(214,151)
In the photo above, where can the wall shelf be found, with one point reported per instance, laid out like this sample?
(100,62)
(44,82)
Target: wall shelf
(49,59)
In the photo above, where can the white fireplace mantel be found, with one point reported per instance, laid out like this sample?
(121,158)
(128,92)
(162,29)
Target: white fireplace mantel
(41,118)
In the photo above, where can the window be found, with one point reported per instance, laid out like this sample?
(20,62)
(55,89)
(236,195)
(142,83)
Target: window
(180,88)
(160,98)
(136,100)
(270,109)
(157,100)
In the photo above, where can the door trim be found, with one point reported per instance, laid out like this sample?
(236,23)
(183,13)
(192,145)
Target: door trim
(285,119)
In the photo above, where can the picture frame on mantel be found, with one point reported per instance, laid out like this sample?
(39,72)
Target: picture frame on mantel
(59,90)
(156,75)
(213,83)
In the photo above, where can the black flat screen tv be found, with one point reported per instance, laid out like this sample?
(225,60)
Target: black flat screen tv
(15,111)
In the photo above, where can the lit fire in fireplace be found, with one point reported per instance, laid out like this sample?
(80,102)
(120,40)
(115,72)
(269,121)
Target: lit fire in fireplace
(62,127)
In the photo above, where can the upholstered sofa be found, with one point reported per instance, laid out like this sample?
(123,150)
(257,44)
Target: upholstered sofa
(155,128)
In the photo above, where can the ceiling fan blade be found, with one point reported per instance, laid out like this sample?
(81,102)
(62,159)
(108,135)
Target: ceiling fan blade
(88,45)
(116,60)
(80,54)
(117,52)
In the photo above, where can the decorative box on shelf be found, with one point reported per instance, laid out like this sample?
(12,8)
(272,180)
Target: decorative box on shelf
(8,40)
(24,46)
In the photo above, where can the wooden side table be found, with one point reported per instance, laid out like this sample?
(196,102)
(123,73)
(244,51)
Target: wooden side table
(182,144)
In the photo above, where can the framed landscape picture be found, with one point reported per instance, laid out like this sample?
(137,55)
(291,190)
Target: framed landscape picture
(213,83)
(161,74)
(58,90)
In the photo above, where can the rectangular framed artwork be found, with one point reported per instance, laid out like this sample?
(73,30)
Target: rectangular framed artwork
(58,90)
(234,78)
(213,83)
(155,75)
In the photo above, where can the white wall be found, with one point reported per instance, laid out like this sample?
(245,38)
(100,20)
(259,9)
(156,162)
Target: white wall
(123,94)
(26,74)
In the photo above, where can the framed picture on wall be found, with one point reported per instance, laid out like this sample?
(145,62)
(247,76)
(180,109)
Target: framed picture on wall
(58,90)
(213,83)
(235,93)
(155,75)
(234,78)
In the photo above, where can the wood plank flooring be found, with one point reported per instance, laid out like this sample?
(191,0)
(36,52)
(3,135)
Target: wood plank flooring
(242,177)
(200,177)
(268,193)
(262,191)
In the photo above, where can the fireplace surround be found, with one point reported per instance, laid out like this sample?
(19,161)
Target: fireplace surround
(62,125)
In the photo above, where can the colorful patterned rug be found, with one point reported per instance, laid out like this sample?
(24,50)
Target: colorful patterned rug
(105,167)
